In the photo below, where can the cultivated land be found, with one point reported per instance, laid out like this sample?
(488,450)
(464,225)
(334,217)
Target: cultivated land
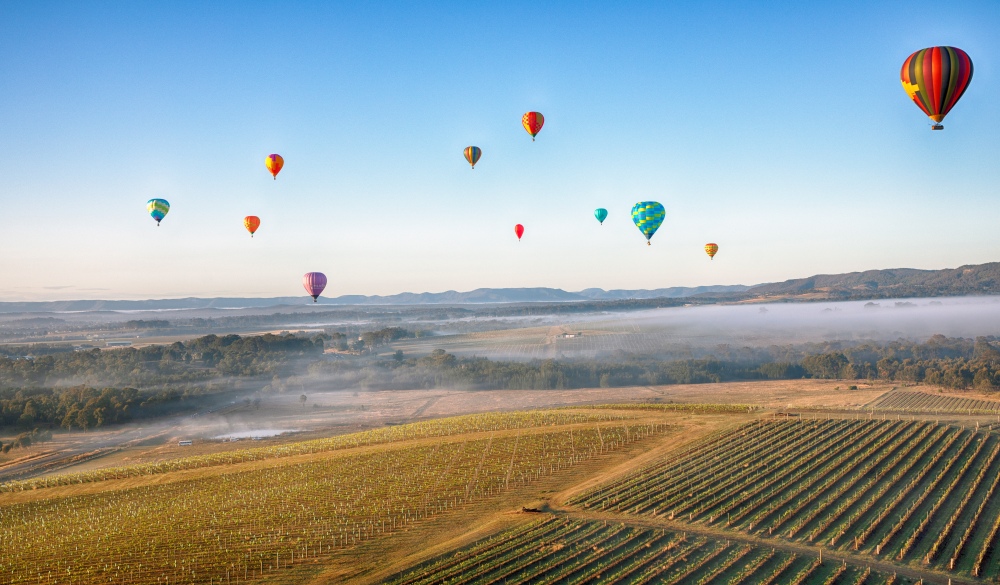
(328,413)
(726,483)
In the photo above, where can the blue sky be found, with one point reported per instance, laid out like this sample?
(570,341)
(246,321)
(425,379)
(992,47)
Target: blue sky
(778,130)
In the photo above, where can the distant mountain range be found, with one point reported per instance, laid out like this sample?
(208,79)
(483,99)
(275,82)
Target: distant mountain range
(977,279)
(478,296)
(982,279)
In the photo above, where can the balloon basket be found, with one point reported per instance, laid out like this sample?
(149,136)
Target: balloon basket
(937,127)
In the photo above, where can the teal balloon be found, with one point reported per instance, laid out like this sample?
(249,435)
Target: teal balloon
(158,209)
(648,215)
(601,214)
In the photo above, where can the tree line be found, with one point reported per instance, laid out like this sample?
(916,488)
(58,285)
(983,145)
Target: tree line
(196,360)
(166,379)
(91,389)
(951,362)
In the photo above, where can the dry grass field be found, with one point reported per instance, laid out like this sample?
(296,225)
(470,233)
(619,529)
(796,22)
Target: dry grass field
(328,413)
(630,494)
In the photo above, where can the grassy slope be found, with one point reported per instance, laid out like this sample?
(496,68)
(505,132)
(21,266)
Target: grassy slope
(316,506)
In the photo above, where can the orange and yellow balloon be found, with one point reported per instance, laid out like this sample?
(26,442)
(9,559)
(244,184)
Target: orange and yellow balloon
(274,162)
(251,222)
(533,122)
(711,250)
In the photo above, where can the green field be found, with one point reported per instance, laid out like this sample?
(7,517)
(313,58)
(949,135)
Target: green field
(579,551)
(921,402)
(628,493)
(904,491)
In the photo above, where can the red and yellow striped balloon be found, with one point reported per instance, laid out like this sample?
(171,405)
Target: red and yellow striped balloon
(274,162)
(533,122)
(711,250)
(251,222)
(935,79)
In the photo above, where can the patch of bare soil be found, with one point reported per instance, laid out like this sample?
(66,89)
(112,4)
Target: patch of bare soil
(768,394)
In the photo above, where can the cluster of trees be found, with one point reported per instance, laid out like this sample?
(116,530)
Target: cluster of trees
(345,314)
(26,439)
(197,360)
(951,362)
(443,370)
(83,390)
(141,325)
(90,389)
(369,340)
(84,407)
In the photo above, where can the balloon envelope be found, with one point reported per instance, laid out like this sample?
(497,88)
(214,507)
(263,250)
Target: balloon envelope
(533,122)
(274,162)
(251,222)
(601,214)
(314,283)
(711,250)
(519,231)
(935,79)
(648,215)
(472,154)
(157,208)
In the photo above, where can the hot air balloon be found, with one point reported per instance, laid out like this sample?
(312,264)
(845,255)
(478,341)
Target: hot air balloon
(314,282)
(711,250)
(648,215)
(935,79)
(274,162)
(251,222)
(519,231)
(157,208)
(532,122)
(601,214)
(472,154)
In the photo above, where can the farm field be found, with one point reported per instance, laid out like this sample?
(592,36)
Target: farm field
(343,412)
(668,491)
(923,402)
(912,492)
(557,550)
(242,521)
(488,422)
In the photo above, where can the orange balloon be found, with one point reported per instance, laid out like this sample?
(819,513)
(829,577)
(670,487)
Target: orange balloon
(711,250)
(274,162)
(251,222)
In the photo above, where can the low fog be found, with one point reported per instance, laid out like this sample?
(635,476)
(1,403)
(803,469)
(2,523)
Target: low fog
(695,330)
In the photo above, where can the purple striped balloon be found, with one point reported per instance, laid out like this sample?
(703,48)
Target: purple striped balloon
(314,282)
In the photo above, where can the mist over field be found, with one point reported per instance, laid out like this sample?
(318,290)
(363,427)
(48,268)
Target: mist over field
(693,331)
(187,374)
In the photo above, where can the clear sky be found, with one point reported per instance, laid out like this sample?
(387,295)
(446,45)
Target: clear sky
(778,130)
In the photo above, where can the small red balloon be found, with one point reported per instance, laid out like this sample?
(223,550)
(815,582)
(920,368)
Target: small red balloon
(519,231)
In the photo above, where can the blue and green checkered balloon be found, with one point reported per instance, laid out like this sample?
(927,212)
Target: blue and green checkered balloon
(648,215)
